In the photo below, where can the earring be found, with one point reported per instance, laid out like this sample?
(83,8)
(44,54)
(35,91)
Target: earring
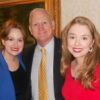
(91,49)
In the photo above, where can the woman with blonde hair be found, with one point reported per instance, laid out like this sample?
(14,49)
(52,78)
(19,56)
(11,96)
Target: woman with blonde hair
(80,63)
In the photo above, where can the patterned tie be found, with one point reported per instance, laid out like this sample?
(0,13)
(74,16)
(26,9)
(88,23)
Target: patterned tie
(42,77)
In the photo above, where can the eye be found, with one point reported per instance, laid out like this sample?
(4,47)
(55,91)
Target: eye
(20,40)
(84,38)
(10,39)
(71,37)
(44,22)
(35,24)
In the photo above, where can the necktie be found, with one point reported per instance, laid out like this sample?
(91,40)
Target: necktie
(42,77)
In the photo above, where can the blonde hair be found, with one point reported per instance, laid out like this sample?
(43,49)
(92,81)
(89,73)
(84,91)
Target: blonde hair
(39,10)
(85,75)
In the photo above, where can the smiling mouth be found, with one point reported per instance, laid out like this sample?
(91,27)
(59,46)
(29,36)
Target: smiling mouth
(15,49)
(77,50)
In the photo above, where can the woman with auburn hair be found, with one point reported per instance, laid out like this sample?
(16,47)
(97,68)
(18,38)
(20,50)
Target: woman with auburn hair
(13,81)
(80,63)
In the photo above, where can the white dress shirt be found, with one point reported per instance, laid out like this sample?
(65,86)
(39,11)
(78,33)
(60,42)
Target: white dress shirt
(49,70)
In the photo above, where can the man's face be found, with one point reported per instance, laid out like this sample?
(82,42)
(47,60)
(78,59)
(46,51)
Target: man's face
(41,27)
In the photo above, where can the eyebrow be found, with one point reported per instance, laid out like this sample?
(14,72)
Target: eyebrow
(81,35)
(71,33)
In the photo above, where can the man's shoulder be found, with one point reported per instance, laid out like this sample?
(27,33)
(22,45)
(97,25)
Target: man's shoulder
(28,49)
(57,40)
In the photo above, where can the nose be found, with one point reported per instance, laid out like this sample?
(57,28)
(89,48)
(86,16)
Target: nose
(16,43)
(41,26)
(77,42)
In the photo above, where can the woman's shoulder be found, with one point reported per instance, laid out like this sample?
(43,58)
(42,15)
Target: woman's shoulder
(97,71)
(96,82)
(98,66)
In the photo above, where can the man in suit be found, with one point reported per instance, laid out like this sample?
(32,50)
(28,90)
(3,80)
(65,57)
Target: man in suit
(41,26)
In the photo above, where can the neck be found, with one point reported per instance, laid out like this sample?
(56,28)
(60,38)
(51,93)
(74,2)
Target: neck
(12,61)
(79,62)
(76,67)
(8,56)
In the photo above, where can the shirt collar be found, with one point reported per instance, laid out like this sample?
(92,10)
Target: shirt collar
(49,46)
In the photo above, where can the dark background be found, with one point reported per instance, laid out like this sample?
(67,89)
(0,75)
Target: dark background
(21,14)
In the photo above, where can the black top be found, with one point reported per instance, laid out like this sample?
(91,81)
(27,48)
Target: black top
(20,83)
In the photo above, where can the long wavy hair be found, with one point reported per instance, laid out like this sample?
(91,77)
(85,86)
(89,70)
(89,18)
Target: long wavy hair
(85,75)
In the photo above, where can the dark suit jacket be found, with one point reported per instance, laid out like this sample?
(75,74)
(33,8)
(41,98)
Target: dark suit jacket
(28,55)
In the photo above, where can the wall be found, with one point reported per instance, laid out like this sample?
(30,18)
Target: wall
(87,8)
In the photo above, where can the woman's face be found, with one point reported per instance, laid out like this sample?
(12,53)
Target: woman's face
(79,40)
(14,43)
